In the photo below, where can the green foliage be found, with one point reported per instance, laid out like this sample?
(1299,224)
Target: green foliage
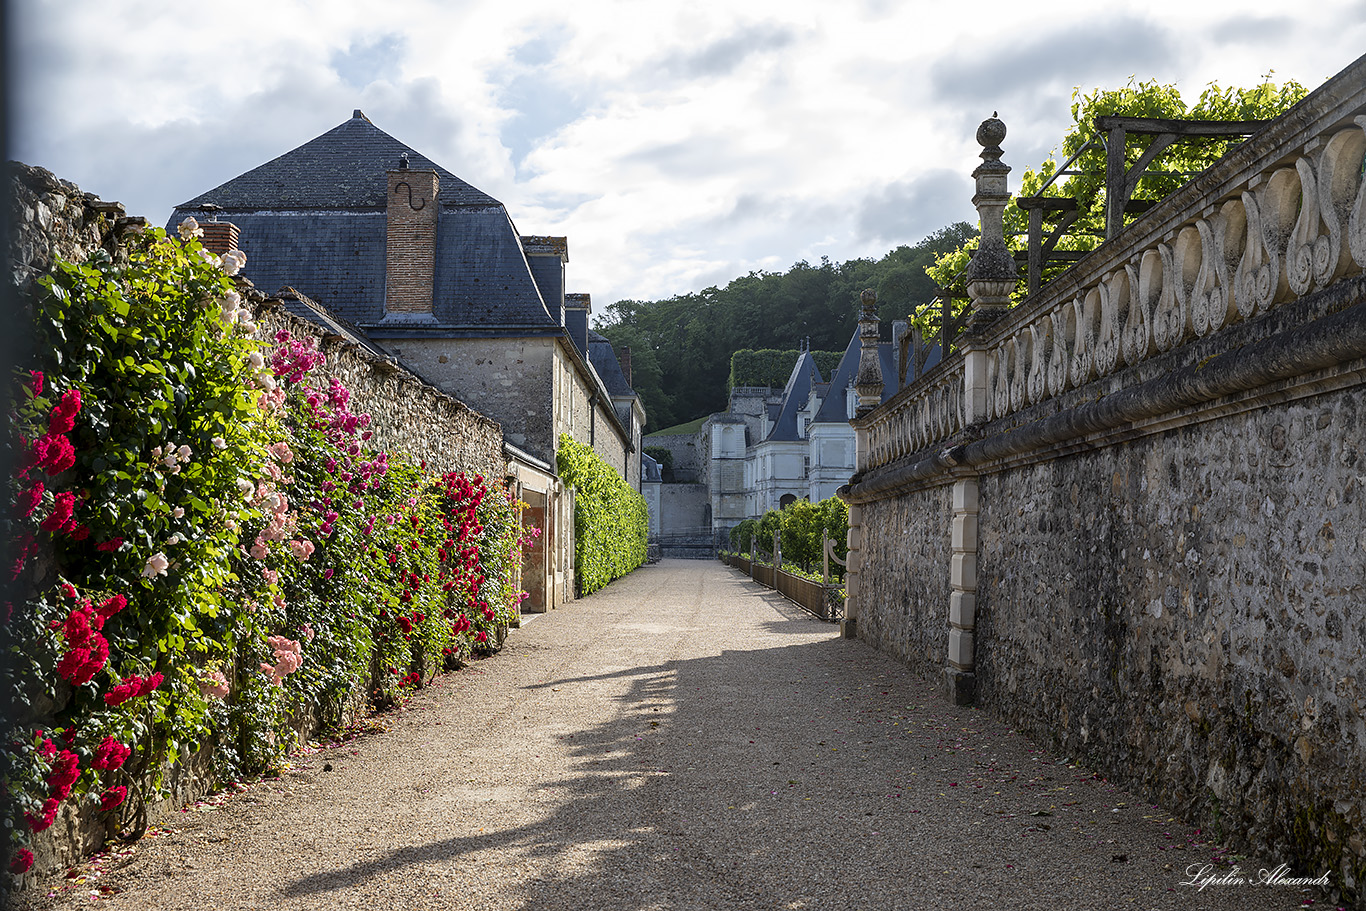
(742,536)
(1168,171)
(799,526)
(768,367)
(611,522)
(661,454)
(227,550)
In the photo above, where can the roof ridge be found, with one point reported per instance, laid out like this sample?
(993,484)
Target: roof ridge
(344,167)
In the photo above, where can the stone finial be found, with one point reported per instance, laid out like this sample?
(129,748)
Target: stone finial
(991,274)
(868,380)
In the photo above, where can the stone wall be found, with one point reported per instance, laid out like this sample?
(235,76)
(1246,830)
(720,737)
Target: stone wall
(1178,599)
(53,219)
(683,509)
(910,533)
(1155,543)
(689,454)
(508,379)
(1190,605)
(407,415)
(1169,575)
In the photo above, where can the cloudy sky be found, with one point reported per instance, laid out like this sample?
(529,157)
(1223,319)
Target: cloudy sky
(678,145)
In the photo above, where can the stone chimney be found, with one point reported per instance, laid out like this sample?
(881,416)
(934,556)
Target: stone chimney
(410,249)
(626,363)
(576,310)
(547,256)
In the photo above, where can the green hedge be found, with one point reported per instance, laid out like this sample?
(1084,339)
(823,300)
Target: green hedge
(611,522)
(771,367)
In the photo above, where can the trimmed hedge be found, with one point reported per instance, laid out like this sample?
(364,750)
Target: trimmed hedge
(611,522)
(771,367)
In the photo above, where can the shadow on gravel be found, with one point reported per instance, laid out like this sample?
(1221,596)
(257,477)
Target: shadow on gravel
(817,775)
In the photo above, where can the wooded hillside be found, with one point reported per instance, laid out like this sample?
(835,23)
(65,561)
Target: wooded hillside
(681,347)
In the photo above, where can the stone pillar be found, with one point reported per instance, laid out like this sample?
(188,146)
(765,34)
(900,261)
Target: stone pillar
(853,566)
(991,279)
(868,385)
(991,274)
(410,247)
(960,673)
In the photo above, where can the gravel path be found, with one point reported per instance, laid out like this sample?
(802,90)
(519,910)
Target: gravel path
(683,739)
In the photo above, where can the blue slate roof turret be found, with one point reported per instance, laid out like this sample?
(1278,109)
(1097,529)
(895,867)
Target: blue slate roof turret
(834,408)
(795,394)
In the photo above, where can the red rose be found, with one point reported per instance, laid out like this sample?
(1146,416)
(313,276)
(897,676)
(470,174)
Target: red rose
(113,797)
(60,516)
(63,416)
(22,860)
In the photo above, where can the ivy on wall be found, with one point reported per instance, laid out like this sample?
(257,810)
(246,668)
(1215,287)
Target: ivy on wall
(611,522)
(211,544)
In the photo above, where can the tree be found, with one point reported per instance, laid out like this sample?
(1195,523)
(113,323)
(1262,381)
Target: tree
(1166,173)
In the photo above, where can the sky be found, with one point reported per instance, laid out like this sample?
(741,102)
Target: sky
(676,145)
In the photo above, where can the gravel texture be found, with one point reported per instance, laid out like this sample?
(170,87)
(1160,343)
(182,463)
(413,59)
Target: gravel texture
(683,739)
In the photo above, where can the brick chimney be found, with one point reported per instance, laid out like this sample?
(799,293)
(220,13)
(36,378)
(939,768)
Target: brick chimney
(219,236)
(410,249)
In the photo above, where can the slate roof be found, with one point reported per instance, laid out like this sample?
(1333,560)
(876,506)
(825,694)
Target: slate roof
(343,168)
(301,305)
(314,219)
(795,394)
(604,361)
(834,409)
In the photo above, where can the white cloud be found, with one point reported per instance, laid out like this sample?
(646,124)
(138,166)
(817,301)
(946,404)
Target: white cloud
(676,146)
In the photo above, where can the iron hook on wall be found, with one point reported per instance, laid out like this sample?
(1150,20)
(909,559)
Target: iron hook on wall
(422,204)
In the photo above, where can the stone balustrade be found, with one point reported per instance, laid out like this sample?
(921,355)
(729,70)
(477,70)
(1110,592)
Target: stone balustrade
(928,410)
(1281,216)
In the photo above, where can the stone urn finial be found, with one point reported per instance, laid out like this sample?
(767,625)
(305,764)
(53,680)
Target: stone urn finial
(868,380)
(991,274)
(990,135)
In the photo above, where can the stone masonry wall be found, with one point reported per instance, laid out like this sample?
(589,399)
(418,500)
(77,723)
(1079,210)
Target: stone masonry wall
(1179,601)
(407,415)
(1191,606)
(687,451)
(53,219)
(912,534)
(507,379)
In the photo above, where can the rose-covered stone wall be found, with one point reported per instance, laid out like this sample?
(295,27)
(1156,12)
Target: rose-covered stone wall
(52,220)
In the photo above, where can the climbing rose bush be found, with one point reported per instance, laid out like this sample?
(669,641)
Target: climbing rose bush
(209,541)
